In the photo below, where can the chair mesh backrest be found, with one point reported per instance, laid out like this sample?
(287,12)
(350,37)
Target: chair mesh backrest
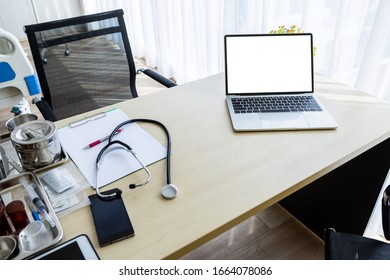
(83,65)
(346,246)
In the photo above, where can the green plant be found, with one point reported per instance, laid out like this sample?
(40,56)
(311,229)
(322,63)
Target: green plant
(292,29)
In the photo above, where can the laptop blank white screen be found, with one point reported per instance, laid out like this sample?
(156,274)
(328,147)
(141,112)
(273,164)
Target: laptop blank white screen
(268,63)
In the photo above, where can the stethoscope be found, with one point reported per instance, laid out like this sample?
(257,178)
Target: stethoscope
(168,191)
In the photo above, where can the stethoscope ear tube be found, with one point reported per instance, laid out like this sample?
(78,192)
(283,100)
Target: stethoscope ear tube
(100,155)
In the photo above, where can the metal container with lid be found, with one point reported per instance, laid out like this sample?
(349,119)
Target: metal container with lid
(37,144)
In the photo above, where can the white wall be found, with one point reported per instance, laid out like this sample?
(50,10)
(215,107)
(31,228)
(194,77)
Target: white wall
(14,14)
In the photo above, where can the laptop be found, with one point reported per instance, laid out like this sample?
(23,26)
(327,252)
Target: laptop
(270,83)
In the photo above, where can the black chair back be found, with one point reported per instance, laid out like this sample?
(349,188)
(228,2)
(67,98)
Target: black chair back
(83,63)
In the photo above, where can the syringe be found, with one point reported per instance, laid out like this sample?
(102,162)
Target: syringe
(36,200)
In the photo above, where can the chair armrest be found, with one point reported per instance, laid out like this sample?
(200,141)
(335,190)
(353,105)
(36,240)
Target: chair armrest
(45,109)
(157,77)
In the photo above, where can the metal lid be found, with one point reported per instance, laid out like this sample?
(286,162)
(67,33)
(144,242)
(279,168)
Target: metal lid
(33,132)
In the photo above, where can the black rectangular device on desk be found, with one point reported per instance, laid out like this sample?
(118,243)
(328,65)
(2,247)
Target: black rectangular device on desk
(77,248)
(111,219)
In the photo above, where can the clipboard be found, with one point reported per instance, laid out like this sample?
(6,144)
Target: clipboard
(117,164)
(87,119)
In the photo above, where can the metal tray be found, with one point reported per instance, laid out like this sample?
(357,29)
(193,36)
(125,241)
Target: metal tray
(11,189)
(14,163)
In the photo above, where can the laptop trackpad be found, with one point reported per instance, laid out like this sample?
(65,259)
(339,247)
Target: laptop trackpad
(283,120)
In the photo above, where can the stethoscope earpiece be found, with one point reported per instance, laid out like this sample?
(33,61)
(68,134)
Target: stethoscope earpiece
(118,193)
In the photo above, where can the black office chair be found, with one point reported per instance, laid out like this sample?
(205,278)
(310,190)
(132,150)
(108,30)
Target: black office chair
(84,63)
(346,246)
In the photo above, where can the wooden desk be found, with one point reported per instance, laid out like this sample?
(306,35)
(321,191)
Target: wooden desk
(225,177)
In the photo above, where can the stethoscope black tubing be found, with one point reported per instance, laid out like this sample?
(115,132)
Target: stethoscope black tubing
(108,145)
(153,122)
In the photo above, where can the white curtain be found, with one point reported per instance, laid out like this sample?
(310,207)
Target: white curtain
(184,38)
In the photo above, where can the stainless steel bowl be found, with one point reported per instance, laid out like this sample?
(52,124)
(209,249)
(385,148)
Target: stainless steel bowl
(18,120)
(8,247)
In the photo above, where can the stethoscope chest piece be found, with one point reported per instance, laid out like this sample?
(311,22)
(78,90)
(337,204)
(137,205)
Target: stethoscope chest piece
(169,191)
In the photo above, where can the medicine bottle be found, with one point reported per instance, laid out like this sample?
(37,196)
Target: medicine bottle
(4,226)
(17,214)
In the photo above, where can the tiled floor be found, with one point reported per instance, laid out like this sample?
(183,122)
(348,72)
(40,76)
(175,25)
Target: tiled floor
(272,234)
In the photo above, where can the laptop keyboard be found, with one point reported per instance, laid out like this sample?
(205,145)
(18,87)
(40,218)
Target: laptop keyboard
(270,104)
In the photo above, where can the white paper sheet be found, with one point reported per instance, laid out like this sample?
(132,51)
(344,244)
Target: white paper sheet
(115,164)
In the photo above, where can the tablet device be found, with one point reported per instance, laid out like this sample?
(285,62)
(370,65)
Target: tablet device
(78,248)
